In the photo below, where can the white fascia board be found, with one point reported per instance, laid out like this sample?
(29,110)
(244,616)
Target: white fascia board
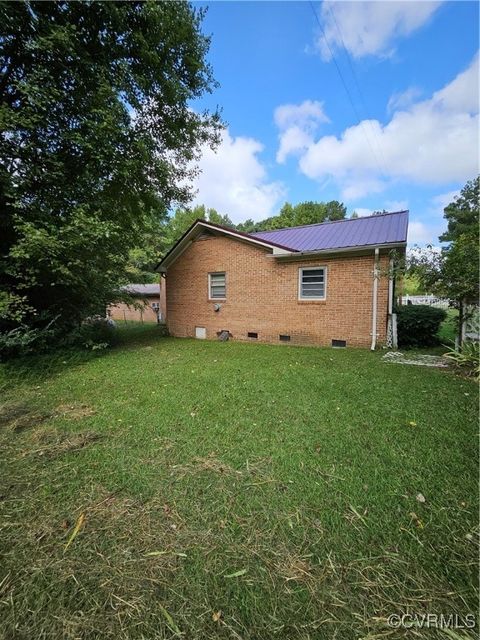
(241,236)
(323,252)
(187,240)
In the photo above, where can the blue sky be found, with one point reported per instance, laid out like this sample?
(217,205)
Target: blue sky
(409,140)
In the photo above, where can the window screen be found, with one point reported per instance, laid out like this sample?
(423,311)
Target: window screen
(217,285)
(312,283)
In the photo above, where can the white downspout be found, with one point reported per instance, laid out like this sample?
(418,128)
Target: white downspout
(375,296)
(390,289)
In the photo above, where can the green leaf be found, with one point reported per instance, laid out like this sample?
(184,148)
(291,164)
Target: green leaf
(170,621)
(237,574)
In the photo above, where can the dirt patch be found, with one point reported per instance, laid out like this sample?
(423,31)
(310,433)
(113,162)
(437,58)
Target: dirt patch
(11,412)
(211,463)
(19,417)
(53,444)
(75,411)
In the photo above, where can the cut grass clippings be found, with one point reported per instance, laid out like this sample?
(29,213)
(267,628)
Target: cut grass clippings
(180,488)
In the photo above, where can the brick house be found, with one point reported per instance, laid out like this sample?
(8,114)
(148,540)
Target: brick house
(321,284)
(146,304)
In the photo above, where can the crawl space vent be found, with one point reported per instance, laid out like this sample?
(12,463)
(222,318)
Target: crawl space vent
(252,334)
(200,333)
(339,343)
(284,338)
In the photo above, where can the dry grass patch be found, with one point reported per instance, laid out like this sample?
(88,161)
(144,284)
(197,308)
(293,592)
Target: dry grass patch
(208,463)
(53,444)
(21,416)
(75,411)
(253,470)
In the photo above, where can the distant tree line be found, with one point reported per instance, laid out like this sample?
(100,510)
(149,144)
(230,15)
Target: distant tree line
(162,236)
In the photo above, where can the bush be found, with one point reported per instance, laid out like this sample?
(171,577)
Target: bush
(95,333)
(418,325)
(23,341)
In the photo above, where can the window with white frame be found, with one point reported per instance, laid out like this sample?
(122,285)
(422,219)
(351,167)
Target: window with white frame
(312,283)
(217,286)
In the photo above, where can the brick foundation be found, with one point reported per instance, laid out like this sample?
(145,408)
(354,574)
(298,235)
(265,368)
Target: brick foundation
(262,296)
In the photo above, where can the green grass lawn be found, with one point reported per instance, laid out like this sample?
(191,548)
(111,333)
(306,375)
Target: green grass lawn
(229,490)
(448,329)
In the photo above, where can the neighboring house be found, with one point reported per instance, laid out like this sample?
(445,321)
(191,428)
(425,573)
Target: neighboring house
(325,284)
(146,304)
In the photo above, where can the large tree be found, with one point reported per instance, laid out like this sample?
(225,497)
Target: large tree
(453,272)
(97,138)
(462,214)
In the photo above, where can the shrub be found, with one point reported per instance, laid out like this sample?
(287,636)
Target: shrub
(23,341)
(95,333)
(418,325)
(467,359)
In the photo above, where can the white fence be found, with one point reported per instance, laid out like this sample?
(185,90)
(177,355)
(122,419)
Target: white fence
(431,301)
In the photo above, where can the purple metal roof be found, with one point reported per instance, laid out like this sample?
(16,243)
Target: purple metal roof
(385,228)
(143,289)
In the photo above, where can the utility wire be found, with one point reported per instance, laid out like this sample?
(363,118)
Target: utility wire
(360,92)
(355,110)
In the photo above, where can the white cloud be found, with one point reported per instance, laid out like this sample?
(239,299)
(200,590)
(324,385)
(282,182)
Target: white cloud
(403,99)
(432,142)
(396,205)
(234,181)
(310,112)
(444,199)
(297,124)
(421,233)
(369,28)
(433,224)
(360,187)
(460,95)
(292,141)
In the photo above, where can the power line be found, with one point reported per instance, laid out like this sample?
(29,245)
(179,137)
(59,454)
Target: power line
(357,115)
(355,77)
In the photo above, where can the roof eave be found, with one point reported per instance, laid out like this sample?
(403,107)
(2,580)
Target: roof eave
(184,242)
(361,249)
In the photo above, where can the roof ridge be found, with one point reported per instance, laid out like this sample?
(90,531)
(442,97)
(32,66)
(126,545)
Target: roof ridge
(320,224)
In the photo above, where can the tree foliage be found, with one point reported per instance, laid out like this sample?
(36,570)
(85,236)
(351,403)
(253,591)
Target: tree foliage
(165,233)
(453,271)
(299,214)
(183,218)
(97,139)
(462,213)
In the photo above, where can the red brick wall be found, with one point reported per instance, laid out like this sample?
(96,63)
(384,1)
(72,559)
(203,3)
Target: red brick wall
(123,311)
(262,296)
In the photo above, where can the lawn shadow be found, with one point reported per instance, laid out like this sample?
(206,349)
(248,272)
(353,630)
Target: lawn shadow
(26,369)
